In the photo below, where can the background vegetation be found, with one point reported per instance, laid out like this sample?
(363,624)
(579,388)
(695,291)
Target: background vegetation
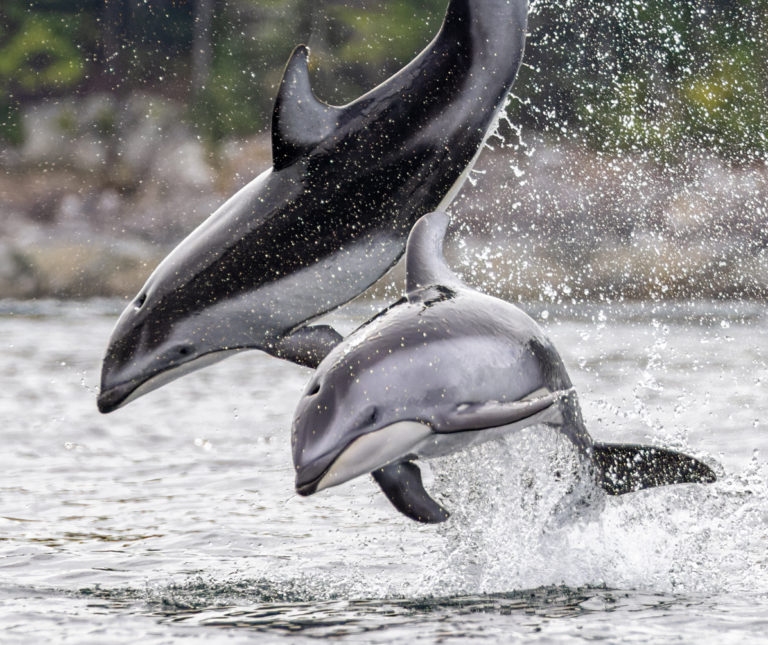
(635,164)
(660,76)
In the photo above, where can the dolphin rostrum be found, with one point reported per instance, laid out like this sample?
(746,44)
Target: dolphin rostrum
(444,368)
(330,217)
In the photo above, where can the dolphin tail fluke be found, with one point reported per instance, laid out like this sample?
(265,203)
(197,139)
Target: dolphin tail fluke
(307,346)
(401,483)
(627,468)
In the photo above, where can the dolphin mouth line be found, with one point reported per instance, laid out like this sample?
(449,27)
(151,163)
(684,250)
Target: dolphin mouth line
(309,488)
(402,446)
(117,396)
(368,452)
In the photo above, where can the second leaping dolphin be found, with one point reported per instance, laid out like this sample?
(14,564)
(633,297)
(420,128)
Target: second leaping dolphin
(330,217)
(442,369)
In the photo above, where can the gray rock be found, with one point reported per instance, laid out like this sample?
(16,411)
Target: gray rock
(17,276)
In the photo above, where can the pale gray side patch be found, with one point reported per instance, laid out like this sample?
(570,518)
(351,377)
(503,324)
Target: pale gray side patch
(374,450)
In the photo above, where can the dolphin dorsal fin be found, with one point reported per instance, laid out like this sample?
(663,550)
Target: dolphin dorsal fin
(424,261)
(300,120)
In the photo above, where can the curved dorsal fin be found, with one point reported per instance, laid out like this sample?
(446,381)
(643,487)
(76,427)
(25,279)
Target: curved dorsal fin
(299,121)
(424,261)
(458,13)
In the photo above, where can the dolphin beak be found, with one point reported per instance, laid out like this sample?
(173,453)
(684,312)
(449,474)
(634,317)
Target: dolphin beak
(308,477)
(111,399)
(116,396)
(119,385)
(362,455)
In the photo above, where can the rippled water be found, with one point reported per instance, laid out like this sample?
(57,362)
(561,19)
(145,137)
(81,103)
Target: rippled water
(174,519)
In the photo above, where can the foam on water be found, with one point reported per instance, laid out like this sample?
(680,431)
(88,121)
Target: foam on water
(181,508)
(511,531)
(525,516)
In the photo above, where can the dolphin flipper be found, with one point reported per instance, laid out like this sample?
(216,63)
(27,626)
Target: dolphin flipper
(627,468)
(401,483)
(307,346)
(494,414)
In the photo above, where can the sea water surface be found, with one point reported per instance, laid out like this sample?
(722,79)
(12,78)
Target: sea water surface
(174,519)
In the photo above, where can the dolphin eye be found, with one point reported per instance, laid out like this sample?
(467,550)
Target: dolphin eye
(314,389)
(367,417)
(140,301)
(183,350)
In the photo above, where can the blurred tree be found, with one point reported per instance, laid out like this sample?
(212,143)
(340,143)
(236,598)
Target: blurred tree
(202,46)
(39,54)
(658,76)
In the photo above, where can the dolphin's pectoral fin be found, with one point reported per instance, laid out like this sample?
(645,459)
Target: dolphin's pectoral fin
(627,468)
(493,414)
(308,346)
(299,121)
(401,483)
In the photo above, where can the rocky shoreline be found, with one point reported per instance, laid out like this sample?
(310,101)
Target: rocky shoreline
(100,192)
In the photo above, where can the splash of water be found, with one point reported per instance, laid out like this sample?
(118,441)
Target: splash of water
(526,517)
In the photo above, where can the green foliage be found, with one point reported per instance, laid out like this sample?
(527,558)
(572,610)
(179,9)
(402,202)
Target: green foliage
(10,122)
(251,44)
(657,76)
(225,106)
(40,54)
(651,76)
(362,46)
(387,36)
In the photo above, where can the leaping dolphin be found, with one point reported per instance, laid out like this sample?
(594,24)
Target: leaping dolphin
(443,368)
(330,217)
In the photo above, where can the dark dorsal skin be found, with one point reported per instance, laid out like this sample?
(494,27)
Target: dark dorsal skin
(332,215)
